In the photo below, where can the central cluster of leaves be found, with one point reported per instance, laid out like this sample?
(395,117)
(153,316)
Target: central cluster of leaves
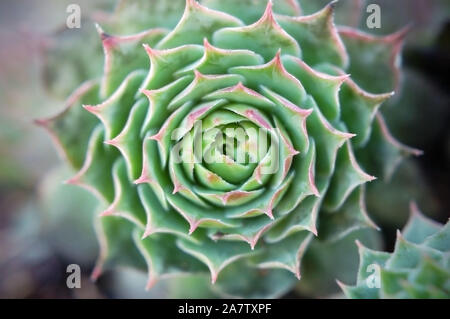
(213,76)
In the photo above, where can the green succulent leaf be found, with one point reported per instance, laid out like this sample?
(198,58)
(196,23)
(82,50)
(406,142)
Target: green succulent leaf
(417,268)
(374,61)
(228,137)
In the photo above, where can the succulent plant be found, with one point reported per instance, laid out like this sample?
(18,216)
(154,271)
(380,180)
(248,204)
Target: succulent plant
(327,261)
(419,266)
(229,69)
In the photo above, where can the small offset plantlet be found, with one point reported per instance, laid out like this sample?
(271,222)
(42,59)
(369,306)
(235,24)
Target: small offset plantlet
(419,266)
(231,66)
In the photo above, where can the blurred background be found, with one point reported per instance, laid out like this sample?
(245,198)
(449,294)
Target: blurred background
(45,226)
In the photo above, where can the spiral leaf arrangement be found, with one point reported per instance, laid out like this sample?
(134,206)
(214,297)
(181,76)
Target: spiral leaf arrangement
(232,67)
(419,266)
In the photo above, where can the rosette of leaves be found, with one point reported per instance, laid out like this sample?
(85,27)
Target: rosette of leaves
(246,67)
(419,266)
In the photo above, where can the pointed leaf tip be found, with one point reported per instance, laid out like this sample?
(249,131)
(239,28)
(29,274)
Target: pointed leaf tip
(269,213)
(113,142)
(152,53)
(41,122)
(101,32)
(99,28)
(92,109)
(359,244)
(192,227)
(141,180)
(96,273)
(413,208)
(268,13)
(72,181)
(333,4)
(341,285)
(150,283)
(108,212)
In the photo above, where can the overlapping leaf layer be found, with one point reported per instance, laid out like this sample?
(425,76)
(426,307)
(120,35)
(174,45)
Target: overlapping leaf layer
(419,266)
(233,66)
